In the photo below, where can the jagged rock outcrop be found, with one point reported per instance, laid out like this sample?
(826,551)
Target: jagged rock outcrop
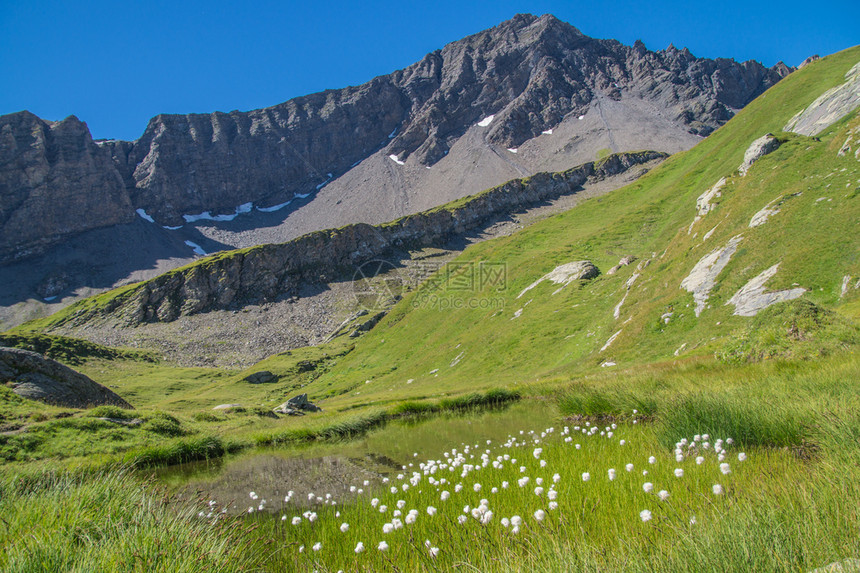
(268,272)
(35,377)
(54,181)
(529,73)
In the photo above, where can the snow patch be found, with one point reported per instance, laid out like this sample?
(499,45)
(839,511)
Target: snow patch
(144,216)
(196,248)
(752,297)
(517,314)
(581,117)
(169,228)
(680,349)
(486,121)
(704,275)
(393,133)
(207,216)
(49,298)
(846,280)
(547,132)
(610,341)
(565,274)
(274,208)
(607,364)
(512,149)
(396,160)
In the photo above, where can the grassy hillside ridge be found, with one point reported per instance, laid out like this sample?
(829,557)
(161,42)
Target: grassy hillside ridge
(561,335)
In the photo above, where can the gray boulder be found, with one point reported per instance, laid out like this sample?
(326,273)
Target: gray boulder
(262,377)
(35,377)
(297,406)
(758,149)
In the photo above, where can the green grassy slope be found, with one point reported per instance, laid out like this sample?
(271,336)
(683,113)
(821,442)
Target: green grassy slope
(815,241)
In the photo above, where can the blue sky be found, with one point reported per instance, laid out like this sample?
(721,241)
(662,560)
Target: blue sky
(116,64)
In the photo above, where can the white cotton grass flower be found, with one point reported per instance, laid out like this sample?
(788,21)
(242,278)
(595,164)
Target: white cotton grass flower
(477,487)
(431,510)
(742,457)
(359,547)
(434,551)
(317,546)
(556,478)
(663,495)
(462,519)
(586,476)
(552,494)
(693,520)
(679,472)
(540,515)
(543,463)
(344,527)
(516,521)
(506,522)
(296,520)
(629,467)
(611,473)
(700,460)
(445,495)
(652,460)
(717,489)
(538,491)
(645,515)
(648,487)
(725,469)
(383,546)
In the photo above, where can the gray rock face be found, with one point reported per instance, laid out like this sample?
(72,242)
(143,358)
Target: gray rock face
(830,107)
(35,377)
(54,181)
(753,297)
(703,277)
(529,72)
(268,272)
(759,148)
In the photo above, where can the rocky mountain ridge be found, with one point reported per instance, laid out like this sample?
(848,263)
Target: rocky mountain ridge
(271,272)
(523,78)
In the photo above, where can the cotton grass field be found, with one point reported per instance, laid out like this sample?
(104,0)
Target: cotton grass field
(666,488)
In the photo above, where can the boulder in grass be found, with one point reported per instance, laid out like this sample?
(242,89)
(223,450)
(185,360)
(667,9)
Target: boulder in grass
(297,406)
(32,376)
(262,377)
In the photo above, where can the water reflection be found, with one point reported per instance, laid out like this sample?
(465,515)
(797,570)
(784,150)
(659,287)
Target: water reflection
(329,470)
